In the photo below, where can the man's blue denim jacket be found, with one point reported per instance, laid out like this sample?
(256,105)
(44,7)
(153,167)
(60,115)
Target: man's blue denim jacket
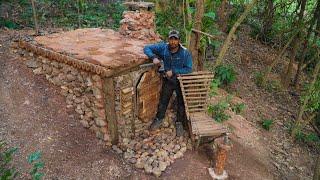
(179,62)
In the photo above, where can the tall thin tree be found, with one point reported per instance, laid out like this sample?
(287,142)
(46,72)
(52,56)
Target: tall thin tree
(35,19)
(232,31)
(286,78)
(195,37)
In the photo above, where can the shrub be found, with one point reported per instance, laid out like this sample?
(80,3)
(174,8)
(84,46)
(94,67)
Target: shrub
(273,85)
(238,108)
(218,110)
(215,83)
(258,78)
(267,123)
(225,74)
(270,85)
(35,160)
(7,171)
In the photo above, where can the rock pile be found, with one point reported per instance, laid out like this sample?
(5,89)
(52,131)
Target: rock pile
(139,25)
(83,91)
(153,152)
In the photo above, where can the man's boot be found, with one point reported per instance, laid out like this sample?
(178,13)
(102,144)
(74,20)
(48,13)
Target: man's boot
(179,129)
(155,124)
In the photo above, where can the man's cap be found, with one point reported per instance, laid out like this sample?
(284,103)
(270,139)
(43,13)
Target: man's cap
(174,33)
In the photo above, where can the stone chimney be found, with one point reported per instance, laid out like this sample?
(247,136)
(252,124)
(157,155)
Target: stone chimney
(138,21)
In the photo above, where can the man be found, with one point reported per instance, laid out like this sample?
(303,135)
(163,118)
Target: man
(177,60)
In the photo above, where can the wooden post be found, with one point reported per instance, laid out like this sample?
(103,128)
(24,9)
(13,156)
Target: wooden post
(110,109)
(218,171)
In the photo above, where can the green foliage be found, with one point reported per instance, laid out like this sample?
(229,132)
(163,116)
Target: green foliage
(312,137)
(225,74)
(215,83)
(270,85)
(267,123)
(309,138)
(300,136)
(170,19)
(211,15)
(65,13)
(8,23)
(314,102)
(258,78)
(35,160)
(7,171)
(238,108)
(218,110)
(273,85)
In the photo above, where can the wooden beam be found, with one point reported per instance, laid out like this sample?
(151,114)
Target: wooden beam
(206,34)
(110,110)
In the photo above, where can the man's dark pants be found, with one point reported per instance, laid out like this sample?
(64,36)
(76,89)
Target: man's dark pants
(168,86)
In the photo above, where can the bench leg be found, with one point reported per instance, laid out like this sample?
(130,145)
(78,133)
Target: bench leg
(198,140)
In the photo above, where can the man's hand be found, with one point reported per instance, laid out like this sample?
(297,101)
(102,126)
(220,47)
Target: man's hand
(156,61)
(169,74)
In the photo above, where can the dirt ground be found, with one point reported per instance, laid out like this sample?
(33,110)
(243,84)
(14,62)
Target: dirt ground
(33,117)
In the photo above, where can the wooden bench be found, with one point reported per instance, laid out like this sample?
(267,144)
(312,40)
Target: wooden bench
(195,89)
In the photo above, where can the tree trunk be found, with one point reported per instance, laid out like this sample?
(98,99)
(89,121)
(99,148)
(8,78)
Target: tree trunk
(195,37)
(35,19)
(268,19)
(286,79)
(305,45)
(222,14)
(299,119)
(316,174)
(78,9)
(189,23)
(275,61)
(232,31)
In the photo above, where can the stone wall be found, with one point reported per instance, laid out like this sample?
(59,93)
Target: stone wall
(83,92)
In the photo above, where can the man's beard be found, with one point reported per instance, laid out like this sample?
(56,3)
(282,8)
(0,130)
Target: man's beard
(173,46)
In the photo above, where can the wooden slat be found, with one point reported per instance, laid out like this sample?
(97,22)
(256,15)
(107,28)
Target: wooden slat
(215,133)
(196,80)
(197,85)
(208,76)
(211,132)
(197,73)
(206,123)
(197,101)
(196,106)
(196,90)
(184,100)
(196,110)
(193,105)
(193,94)
(208,128)
(189,98)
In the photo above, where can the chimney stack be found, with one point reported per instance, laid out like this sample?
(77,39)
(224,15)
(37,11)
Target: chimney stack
(138,21)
